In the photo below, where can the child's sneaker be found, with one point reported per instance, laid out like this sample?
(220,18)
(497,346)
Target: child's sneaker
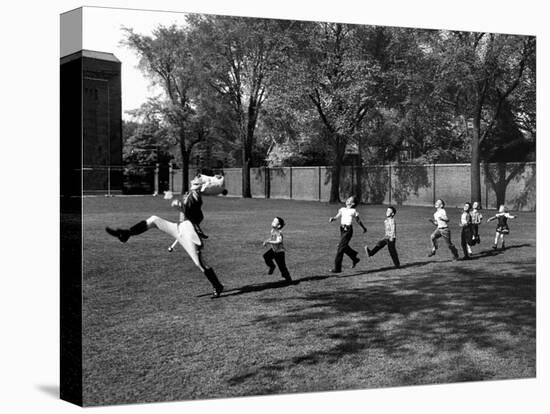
(494,246)
(271,270)
(503,247)
(432,253)
(355,261)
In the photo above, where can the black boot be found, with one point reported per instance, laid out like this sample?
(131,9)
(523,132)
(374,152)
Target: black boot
(138,228)
(122,235)
(213,279)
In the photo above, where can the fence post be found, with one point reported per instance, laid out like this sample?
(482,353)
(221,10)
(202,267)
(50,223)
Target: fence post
(290,183)
(267,179)
(170,177)
(108,181)
(319,174)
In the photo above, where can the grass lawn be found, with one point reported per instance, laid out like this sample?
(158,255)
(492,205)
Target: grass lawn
(152,333)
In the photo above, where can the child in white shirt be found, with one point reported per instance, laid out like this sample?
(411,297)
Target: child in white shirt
(346,215)
(441,221)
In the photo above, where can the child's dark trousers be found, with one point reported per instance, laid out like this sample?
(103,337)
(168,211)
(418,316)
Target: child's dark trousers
(391,249)
(279,257)
(346,232)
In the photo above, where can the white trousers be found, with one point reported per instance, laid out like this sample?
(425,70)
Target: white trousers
(185,234)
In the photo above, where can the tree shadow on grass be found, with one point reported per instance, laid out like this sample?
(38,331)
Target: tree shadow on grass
(420,319)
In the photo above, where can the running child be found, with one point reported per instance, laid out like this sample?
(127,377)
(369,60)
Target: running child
(502,225)
(346,215)
(441,221)
(466,232)
(389,239)
(476,221)
(277,249)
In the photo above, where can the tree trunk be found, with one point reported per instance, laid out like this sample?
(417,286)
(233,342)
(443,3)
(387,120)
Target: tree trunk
(247,149)
(184,169)
(475,173)
(246,191)
(335,182)
(336,172)
(185,174)
(358,167)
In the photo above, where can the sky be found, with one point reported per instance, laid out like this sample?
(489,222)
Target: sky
(102,31)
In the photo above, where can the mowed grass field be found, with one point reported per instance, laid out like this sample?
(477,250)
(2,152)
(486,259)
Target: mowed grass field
(152,333)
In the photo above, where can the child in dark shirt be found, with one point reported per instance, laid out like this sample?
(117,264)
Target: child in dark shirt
(277,249)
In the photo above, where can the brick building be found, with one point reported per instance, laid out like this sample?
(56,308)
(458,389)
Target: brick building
(91,123)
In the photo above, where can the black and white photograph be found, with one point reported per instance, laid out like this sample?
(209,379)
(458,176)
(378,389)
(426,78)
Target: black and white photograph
(273,208)
(220,176)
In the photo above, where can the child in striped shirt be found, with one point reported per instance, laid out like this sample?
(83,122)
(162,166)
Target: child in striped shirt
(389,239)
(466,230)
(476,221)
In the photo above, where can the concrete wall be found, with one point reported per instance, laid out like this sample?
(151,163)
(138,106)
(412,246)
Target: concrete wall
(415,185)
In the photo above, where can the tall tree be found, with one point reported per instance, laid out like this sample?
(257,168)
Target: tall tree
(479,72)
(165,57)
(334,71)
(239,59)
(506,143)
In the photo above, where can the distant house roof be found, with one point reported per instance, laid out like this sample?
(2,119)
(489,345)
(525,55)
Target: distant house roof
(92,54)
